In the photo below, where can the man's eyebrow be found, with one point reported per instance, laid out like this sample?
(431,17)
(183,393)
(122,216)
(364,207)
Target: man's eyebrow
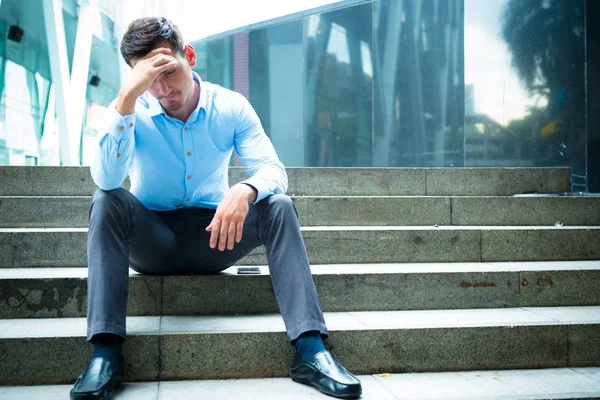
(169,71)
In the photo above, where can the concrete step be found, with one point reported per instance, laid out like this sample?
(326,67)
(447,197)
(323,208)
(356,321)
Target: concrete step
(53,351)
(529,384)
(62,292)
(72,211)
(50,247)
(76,181)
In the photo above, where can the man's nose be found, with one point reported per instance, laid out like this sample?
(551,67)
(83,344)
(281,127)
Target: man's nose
(161,87)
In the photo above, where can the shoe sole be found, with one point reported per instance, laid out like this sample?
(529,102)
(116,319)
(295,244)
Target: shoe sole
(342,396)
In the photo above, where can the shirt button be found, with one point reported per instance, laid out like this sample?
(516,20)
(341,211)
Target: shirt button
(131,124)
(118,155)
(185,128)
(188,199)
(121,127)
(189,177)
(189,153)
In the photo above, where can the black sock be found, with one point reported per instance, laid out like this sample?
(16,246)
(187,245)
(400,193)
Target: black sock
(109,347)
(308,345)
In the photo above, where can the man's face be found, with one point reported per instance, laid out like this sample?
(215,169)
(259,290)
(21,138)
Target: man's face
(173,87)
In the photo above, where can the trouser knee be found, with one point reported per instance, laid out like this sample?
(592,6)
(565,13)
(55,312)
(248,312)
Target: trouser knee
(281,205)
(105,199)
(106,203)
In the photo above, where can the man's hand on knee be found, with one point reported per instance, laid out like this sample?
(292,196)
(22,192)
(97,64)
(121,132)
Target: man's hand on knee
(227,225)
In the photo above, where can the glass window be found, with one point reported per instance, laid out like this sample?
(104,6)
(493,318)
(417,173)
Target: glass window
(21,110)
(419,91)
(420,83)
(218,62)
(50,139)
(201,66)
(338,89)
(276,87)
(365,56)
(338,44)
(524,73)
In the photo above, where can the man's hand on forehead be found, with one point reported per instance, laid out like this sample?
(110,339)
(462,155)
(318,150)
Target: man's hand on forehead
(144,71)
(158,50)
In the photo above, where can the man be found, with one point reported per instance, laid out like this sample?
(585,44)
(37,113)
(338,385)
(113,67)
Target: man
(173,135)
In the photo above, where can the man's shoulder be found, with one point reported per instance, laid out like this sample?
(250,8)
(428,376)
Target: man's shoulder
(219,93)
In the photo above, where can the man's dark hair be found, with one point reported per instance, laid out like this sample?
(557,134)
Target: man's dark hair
(144,34)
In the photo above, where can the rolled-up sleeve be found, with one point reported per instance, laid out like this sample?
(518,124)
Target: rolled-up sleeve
(115,148)
(253,146)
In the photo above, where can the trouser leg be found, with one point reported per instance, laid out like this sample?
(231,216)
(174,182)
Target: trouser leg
(121,231)
(279,230)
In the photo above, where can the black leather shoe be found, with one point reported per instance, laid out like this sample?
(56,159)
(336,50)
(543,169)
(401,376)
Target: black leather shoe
(327,375)
(98,380)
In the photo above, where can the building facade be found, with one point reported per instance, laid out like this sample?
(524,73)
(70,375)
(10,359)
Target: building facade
(357,83)
(420,83)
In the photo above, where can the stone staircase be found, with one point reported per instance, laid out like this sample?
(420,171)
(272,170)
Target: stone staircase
(424,274)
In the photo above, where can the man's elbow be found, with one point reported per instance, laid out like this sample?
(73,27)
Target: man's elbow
(105,182)
(107,186)
(284,180)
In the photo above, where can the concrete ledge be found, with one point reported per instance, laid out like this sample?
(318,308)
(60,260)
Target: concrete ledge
(584,345)
(526,210)
(46,181)
(64,295)
(373,211)
(356,181)
(43,247)
(534,244)
(348,245)
(44,212)
(256,346)
(54,292)
(72,212)
(55,350)
(496,181)
(76,181)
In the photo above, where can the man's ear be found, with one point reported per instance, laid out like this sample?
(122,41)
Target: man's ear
(190,54)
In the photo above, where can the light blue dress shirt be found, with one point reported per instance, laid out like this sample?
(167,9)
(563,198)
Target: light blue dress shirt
(172,164)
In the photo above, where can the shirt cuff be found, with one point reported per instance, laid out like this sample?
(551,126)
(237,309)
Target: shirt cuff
(253,188)
(118,126)
(257,185)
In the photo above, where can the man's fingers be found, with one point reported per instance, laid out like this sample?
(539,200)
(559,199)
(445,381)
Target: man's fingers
(160,50)
(239,231)
(214,233)
(231,236)
(163,61)
(165,67)
(223,236)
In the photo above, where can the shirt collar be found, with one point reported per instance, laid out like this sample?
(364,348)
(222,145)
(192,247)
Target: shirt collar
(155,108)
(203,97)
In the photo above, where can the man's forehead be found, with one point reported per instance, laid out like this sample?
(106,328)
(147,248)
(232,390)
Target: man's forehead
(167,44)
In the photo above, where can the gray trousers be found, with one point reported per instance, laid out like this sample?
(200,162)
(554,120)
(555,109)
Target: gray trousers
(124,233)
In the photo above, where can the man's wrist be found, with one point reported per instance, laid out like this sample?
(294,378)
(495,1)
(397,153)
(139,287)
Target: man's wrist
(251,191)
(126,102)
